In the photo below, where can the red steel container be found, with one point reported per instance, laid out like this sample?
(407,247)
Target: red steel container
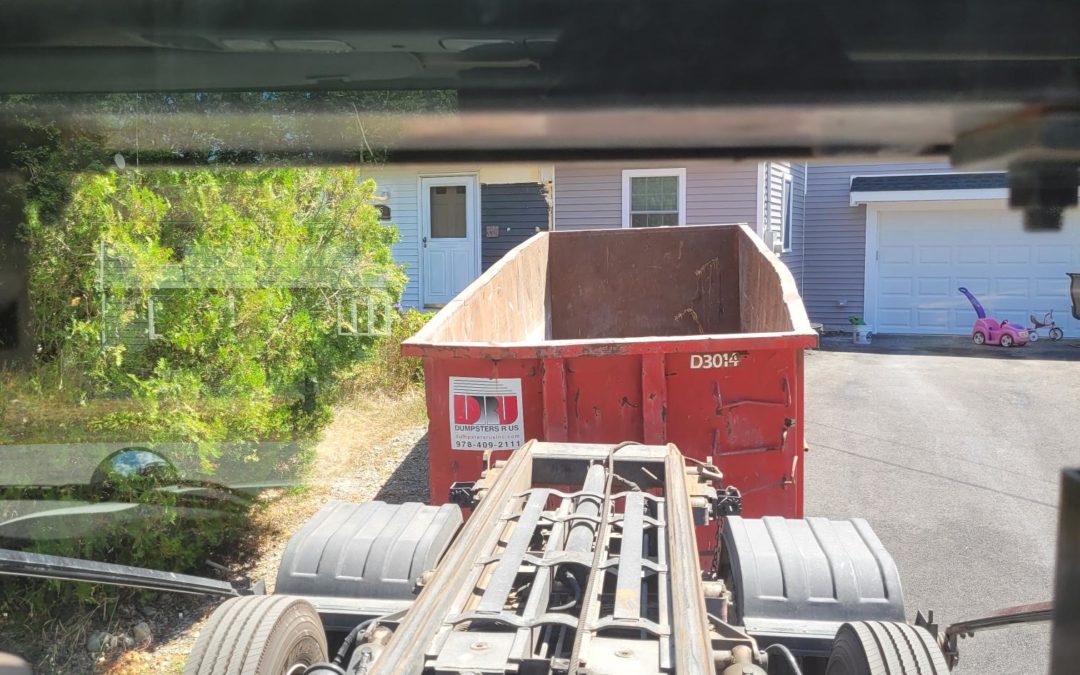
(692,335)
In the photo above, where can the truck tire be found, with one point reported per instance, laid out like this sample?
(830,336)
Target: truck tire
(258,635)
(884,648)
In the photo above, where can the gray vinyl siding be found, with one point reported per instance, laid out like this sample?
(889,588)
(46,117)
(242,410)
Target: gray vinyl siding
(588,196)
(401,185)
(773,210)
(518,210)
(833,259)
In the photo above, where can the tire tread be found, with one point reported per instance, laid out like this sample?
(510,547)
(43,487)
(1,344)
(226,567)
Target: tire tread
(233,640)
(884,648)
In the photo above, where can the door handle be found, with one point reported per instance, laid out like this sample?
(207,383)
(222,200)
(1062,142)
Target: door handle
(425,242)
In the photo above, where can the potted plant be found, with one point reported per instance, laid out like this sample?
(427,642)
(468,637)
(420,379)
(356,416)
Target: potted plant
(859,330)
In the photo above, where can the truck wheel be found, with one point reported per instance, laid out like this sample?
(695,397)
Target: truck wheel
(259,635)
(978,338)
(884,648)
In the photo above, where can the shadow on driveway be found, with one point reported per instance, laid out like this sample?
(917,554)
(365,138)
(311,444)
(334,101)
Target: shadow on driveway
(955,345)
(409,482)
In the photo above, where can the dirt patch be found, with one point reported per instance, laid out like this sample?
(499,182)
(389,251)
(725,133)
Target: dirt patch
(375,448)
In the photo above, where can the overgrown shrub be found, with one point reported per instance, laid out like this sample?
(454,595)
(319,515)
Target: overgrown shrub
(387,371)
(259,281)
(246,274)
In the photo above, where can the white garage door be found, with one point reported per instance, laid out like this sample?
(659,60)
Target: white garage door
(925,255)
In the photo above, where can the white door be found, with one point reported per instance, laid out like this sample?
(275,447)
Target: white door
(924,255)
(450,235)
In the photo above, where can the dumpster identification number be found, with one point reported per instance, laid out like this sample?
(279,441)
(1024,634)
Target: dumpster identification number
(720,360)
(485,414)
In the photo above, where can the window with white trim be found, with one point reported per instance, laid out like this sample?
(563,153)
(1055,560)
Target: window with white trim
(654,197)
(786,217)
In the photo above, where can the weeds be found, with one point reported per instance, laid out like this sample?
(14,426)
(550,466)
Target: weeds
(386,371)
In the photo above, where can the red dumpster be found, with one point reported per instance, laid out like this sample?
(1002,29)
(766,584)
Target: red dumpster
(691,335)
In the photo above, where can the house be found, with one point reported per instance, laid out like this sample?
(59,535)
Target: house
(454,221)
(891,243)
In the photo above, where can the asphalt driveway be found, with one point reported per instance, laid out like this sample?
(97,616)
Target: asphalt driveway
(953,454)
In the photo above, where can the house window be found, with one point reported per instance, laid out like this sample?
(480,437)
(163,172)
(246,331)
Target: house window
(786,217)
(654,197)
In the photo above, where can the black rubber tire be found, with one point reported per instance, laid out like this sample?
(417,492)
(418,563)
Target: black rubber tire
(978,338)
(1006,341)
(1056,334)
(884,648)
(258,635)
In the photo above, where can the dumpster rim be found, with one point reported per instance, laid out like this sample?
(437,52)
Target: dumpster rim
(679,344)
(801,335)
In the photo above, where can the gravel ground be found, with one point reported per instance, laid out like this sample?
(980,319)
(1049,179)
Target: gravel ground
(374,449)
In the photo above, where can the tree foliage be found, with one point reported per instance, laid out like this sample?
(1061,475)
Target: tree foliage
(249,273)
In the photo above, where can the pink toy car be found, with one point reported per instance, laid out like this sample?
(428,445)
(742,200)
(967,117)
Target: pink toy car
(990,331)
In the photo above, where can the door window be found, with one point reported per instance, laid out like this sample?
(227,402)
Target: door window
(447,211)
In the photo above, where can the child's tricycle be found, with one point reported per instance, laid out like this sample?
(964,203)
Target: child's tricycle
(1054,333)
(990,331)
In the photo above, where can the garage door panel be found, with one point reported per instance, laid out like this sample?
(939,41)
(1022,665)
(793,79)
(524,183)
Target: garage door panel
(972,255)
(1013,254)
(896,254)
(892,320)
(980,286)
(930,255)
(924,256)
(1055,254)
(935,286)
(896,286)
(1005,287)
(1051,289)
(932,319)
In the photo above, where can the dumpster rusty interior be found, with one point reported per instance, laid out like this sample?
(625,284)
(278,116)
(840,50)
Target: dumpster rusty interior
(647,282)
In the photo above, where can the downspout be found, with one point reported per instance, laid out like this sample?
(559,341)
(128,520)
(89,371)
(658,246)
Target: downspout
(802,242)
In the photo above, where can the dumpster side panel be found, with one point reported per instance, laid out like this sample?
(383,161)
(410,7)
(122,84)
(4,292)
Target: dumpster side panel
(603,399)
(448,464)
(687,335)
(742,409)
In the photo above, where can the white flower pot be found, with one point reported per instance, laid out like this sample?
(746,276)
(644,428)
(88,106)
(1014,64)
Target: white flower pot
(862,335)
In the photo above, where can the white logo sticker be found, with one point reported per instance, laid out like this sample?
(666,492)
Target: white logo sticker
(485,414)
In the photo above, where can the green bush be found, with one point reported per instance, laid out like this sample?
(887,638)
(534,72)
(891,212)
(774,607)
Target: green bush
(253,276)
(387,371)
(248,272)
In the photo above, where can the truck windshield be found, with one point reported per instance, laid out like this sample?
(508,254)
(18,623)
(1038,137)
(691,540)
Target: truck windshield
(209,264)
